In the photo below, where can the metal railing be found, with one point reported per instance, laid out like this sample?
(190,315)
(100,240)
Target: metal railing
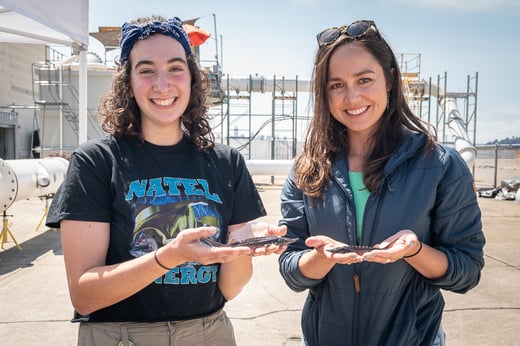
(8,118)
(495,163)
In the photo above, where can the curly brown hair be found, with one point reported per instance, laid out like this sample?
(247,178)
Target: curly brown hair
(326,137)
(121,116)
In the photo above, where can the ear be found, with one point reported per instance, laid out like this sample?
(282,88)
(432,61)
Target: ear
(388,85)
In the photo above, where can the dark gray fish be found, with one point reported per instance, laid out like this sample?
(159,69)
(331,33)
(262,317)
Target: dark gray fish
(253,243)
(359,249)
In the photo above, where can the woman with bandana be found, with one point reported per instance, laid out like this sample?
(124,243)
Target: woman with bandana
(385,216)
(134,205)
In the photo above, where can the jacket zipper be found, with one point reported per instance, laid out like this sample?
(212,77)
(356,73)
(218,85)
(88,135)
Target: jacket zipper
(357,289)
(355,277)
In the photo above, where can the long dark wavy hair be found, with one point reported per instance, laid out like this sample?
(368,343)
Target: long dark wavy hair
(326,136)
(121,115)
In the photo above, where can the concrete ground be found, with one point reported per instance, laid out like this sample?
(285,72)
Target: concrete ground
(35,308)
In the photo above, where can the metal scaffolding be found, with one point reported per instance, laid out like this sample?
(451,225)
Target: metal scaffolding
(420,93)
(277,134)
(243,118)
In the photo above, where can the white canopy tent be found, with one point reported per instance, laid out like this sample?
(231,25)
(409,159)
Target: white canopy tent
(51,22)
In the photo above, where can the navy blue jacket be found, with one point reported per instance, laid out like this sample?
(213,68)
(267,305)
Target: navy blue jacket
(432,195)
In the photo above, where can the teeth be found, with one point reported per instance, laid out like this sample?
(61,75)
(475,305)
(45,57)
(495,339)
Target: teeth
(357,111)
(163,102)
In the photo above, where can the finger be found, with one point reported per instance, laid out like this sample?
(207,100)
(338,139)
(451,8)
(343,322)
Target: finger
(279,230)
(385,243)
(316,241)
(192,234)
(274,230)
(265,250)
(231,251)
(347,258)
(280,249)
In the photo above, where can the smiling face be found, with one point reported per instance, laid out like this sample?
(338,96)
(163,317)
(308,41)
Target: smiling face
(356,90)
(161,84)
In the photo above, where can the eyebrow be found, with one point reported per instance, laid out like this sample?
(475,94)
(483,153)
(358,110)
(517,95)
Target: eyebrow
(361,73)
(364,72)
(171,61)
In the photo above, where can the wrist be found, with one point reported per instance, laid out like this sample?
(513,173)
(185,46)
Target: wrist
(416,252)
(159,263)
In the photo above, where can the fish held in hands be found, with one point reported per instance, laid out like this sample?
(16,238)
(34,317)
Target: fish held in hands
(253,243)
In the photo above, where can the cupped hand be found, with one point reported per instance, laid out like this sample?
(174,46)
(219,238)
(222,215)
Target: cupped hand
(321,243)
(187,247)
(394,248)
(259,229)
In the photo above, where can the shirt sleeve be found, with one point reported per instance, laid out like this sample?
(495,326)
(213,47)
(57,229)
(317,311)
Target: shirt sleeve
(85,193)
(293,216)
(247,204)
(457,226)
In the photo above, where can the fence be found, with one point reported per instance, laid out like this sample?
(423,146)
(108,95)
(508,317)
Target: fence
(495,163)
(8,118)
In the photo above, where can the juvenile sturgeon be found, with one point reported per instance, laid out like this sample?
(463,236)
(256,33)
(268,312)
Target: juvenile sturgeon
(359,249)
(252,243)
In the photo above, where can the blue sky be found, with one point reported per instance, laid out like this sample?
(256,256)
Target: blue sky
(459,37)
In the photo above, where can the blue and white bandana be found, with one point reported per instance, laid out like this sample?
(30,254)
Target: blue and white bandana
(131,33)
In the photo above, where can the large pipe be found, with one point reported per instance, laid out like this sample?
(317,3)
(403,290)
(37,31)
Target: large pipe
(22,179)
(262,84)
(269,167)
(455,123)
(458,130)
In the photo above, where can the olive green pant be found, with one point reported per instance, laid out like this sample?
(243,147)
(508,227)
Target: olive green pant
(215,329)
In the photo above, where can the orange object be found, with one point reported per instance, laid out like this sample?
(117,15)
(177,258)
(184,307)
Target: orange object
(196,35)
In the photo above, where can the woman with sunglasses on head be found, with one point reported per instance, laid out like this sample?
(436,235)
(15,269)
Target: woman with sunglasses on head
(134,205)
(385,216)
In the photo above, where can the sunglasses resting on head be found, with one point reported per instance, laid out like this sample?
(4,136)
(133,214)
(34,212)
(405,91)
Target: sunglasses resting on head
(354,30)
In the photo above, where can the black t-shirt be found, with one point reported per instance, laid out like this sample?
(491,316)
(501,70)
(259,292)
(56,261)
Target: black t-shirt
(149,194)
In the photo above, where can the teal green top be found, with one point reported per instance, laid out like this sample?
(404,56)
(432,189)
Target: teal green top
(361,194)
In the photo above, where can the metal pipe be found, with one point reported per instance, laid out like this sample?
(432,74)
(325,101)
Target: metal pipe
(262,85)
(458,130)
(22,179)
(455,123)
(269,167)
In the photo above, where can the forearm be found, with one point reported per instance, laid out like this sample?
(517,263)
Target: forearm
(234,276)
(103,286)
(429,262)
(315,266)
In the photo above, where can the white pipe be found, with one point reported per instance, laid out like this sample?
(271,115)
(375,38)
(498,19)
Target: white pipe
(22,179)
(455,123)
(458,130)
(83,101)
(262,84)
(269,167)
(60,98)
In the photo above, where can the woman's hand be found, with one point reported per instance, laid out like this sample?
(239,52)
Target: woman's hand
(321,243)
(258,229)
(235,274)
(402,244)
(186,247)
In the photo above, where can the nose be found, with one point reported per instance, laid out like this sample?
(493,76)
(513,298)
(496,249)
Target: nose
(162,82)
(350,94)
